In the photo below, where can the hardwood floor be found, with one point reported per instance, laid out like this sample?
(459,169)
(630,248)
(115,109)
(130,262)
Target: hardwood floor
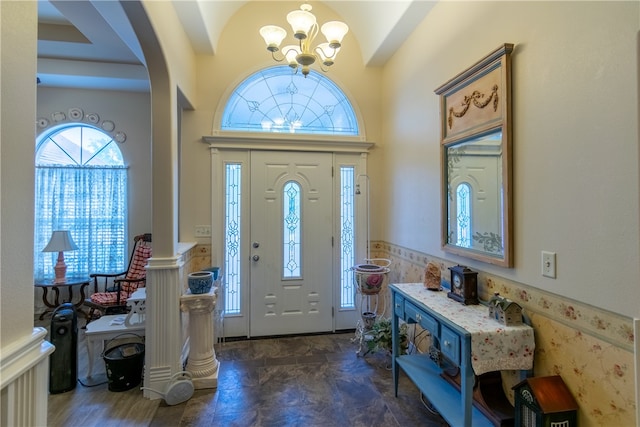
(313,380)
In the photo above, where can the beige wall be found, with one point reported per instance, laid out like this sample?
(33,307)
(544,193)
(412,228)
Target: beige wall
(176,47)
(575,121)
(17,112)
(170,63)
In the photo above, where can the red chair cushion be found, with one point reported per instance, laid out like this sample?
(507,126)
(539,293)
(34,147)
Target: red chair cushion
(137,268)
(131,287)
(136,271)
(107,298)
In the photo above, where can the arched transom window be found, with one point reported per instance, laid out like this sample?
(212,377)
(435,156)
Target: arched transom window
(277,100)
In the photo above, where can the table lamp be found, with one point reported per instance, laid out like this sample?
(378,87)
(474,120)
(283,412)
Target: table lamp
(60,241)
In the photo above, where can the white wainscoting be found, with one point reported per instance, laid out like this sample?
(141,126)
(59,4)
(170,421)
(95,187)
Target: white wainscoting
(24,379)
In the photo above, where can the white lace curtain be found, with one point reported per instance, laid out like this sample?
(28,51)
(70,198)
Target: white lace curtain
(90,202)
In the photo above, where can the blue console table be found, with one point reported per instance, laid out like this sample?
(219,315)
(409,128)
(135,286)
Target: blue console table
(467,338)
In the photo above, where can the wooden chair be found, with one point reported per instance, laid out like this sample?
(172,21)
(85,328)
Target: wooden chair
(111,290)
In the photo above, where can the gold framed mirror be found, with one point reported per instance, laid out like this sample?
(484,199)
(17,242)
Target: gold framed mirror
(475,147)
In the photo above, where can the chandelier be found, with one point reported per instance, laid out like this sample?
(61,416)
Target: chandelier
(305,29)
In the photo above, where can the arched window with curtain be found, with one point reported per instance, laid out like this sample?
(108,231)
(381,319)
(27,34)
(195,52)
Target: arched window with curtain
(80,186)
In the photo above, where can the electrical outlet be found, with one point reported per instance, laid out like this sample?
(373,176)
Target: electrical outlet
(549,264)
(203,231)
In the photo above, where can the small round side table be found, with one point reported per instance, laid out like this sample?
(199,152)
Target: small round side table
(71,281)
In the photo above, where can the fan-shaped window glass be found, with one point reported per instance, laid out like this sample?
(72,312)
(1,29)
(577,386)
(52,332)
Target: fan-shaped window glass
(277,100)
(78,146)
(81,186)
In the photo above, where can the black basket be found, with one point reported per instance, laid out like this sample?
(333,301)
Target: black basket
(124,364)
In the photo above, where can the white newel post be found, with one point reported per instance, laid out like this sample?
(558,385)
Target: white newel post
(163,327)
(24,376)
(202,362)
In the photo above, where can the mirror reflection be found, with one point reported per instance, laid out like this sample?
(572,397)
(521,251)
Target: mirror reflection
(475,195)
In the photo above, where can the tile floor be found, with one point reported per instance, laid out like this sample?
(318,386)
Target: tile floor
(301,381)
(315,380)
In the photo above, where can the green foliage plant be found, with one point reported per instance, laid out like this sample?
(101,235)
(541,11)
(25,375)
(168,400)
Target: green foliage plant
(381,336)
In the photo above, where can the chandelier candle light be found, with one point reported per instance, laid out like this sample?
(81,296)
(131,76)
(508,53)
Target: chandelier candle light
(60,241)
(305,29)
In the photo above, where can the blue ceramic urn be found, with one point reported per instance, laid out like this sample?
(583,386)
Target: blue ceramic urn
(200,282)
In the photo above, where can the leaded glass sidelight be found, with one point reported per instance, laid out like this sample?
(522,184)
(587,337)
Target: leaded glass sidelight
(291,267)
(279,101)
(463,215)
(347,236)
(232,238)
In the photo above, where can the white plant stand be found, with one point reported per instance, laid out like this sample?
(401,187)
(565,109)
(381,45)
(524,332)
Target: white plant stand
(370,300)
(202,362)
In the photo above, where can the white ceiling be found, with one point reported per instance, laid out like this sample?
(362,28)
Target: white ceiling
(90,43)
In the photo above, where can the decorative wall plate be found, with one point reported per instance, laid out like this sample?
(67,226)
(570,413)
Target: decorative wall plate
(42,123)
(58,116)
(92,118)
(120,137)
(108,125)
(76,113)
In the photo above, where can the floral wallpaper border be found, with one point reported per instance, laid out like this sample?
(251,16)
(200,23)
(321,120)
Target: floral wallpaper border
(605,325)
(610,327)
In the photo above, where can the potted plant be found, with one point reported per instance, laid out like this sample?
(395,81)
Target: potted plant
(380,336)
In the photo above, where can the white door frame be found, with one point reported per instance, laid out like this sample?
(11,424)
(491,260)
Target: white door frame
(236,149)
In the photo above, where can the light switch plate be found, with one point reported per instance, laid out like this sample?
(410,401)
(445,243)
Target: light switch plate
(203,231)
(549,264)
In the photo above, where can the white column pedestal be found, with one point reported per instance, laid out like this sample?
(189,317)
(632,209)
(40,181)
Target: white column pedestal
(202,362)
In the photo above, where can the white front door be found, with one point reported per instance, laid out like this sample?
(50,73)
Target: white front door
(291,243)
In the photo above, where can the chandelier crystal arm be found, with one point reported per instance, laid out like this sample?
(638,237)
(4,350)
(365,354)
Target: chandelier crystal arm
(305,44)
(275,58)
(290,52)
(326,53)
